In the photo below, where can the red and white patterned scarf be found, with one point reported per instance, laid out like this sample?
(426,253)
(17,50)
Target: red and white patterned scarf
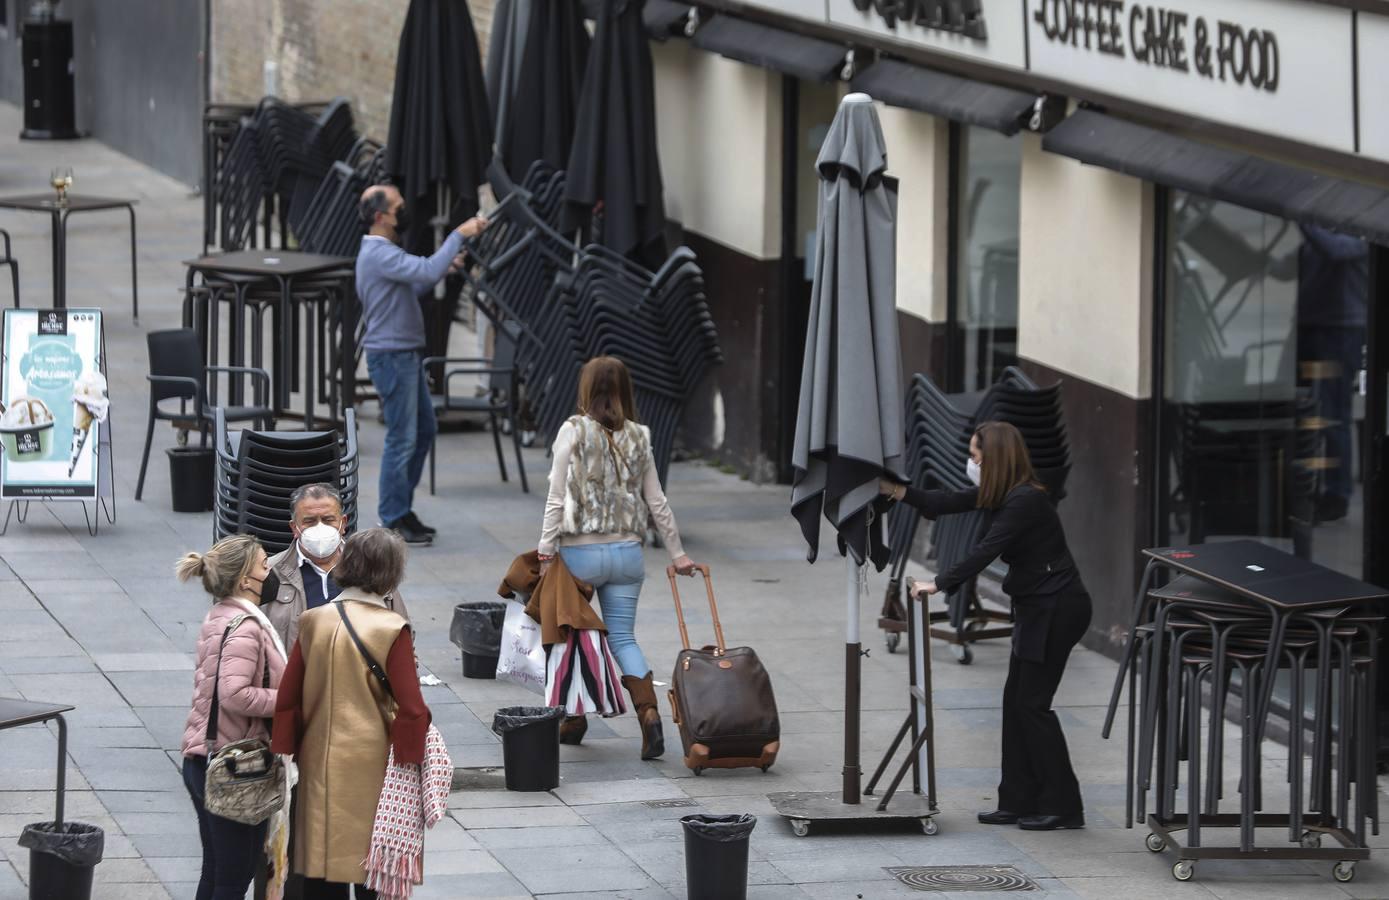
(413,798)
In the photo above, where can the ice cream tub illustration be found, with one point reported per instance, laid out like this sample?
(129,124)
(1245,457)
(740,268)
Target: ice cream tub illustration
(26,429)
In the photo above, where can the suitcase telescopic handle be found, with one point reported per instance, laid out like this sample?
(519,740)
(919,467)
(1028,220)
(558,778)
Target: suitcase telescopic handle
(713,607)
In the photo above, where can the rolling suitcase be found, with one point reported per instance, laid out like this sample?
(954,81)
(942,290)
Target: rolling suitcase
(722,699)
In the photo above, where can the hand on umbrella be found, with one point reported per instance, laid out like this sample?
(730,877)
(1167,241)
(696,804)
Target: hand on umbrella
(473,227)
(890,488)
(928,588)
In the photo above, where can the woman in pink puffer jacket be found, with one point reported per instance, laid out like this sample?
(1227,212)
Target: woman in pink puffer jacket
(252,661)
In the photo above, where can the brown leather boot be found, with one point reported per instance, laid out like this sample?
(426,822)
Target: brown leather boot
(573,729)
(653,742)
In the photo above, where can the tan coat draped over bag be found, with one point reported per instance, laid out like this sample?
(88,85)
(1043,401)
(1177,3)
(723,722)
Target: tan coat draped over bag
(342,756)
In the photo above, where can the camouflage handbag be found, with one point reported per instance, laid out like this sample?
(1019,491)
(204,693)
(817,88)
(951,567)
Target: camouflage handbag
(245,781)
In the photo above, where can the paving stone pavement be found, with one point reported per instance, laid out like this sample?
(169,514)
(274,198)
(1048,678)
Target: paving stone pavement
(100,622)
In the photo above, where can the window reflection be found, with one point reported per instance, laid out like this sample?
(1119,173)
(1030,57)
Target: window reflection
(987,318)
(1265,350)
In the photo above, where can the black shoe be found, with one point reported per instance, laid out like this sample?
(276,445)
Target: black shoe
(1051,823)
(416,524)
(998,817)
(409,533)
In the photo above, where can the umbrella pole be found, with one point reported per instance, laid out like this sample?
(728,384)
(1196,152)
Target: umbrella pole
(852,658)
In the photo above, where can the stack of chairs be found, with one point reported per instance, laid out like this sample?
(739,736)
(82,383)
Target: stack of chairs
(1201,650)
(269,167)
(939,427)
(257,471)
(573,303)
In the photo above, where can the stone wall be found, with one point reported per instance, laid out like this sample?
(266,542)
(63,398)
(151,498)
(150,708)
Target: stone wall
(322,48)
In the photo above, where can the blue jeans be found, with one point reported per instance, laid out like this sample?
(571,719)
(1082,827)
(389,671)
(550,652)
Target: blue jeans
(616,572)
(410,428)
(231,850)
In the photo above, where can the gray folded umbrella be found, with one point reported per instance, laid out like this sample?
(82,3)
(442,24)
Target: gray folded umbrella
(849,424)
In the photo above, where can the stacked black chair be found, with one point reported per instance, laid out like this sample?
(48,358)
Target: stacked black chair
(939,428)
(258,471)
(178,374)
(1200,650)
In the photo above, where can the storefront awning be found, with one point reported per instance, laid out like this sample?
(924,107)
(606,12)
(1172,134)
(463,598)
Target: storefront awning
(771,48)
(949,96)
(1350,207)
(663,18)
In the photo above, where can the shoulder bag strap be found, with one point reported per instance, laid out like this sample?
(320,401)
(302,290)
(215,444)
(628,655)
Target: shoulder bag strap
(210,737)
(372,664)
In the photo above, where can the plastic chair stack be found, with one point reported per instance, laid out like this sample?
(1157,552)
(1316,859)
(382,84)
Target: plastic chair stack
(939,428)
(258,471)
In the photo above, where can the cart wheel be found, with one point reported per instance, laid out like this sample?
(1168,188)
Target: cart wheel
(894,638)
(801,827)
(929,827)
(1156,843)
(1183,870)
(182,437)
(1344,871)
(963,655)
(1311,840)
(699,770)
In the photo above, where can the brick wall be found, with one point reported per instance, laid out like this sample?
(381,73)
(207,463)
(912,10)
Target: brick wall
(324,49)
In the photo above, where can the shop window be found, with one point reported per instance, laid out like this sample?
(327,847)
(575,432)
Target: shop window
(986,307)
(1263,407)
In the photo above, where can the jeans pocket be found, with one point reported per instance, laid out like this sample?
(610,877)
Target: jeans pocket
(630,563)
(384,373)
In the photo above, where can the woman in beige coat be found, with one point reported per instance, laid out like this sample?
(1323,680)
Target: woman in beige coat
(338,718)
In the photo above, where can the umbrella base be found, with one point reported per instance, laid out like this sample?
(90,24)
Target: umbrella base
(805,808)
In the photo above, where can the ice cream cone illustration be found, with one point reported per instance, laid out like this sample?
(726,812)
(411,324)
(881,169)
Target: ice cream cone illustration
(89,405)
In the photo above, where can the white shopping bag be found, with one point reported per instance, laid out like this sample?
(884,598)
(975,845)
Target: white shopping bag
(522,659)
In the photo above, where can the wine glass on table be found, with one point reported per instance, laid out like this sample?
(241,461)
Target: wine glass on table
(61,179)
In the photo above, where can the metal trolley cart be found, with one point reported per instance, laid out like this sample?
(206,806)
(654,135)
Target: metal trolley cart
(1235,617)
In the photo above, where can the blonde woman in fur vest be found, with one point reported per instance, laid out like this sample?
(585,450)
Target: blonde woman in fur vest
(603,485)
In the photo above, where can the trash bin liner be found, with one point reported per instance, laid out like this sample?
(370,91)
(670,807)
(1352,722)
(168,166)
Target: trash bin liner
(477,627)
(720,828)
(513,718)
(76,843)
(716,856)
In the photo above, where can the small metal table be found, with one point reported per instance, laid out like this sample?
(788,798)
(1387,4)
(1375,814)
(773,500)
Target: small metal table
(58,213)
(252,268)
(14,713)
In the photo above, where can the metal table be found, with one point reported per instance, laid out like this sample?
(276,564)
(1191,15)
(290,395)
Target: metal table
(58,214)
(246,269)
(14,713)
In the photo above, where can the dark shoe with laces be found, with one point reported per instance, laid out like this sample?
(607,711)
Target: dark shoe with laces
(416,524)
(409,533)
(1051,823)
(998,817)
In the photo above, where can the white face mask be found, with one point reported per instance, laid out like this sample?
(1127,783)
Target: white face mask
(972,471)
(320,541)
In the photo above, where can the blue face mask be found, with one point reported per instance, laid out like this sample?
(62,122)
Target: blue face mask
(972,471)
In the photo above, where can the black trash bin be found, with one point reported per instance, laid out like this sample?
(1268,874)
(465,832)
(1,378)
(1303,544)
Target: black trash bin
(477,630)
(192,476)
(716,856)
(530,746)
(61,859)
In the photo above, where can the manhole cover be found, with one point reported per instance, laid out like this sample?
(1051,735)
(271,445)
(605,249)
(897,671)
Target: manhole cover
(963,878)
(668,804)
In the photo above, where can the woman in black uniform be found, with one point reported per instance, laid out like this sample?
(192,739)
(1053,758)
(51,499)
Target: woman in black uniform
(1051,611)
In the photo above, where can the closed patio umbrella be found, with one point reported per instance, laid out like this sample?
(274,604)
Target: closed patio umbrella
(613,160)
(544,107)
(849,422)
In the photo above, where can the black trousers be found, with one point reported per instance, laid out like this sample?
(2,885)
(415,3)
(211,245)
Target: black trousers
(318,889)
(1037,774)
(231,851)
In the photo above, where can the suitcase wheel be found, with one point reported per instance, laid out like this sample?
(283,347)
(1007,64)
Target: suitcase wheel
(698,770)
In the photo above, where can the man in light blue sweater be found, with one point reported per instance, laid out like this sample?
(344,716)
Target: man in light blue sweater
(389,283)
